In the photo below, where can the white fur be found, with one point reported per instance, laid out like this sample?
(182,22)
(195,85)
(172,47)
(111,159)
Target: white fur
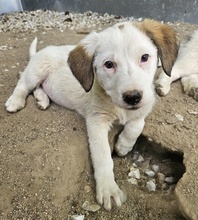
(185,67)
(49,75)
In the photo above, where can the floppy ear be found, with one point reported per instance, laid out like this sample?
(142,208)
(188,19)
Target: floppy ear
(165,39)
(80,61)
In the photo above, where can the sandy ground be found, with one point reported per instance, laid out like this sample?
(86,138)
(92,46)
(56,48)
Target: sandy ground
(45,169)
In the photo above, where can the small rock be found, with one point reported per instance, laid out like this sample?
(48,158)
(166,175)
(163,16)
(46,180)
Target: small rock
(140,159)
(160,177)
(150,173)
(90,207)
(132,181)
(134,173)
(179,117)
(78,217)
(171,189)
(155,168)
(150,185)
(145,165)
(135,156)
(87,189)
(192,112)
(132,168)
(165,187)
(134,165)
(170,179)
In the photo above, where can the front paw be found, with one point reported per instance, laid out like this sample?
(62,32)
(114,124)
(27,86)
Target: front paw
(108,193)
(162,87)
(123,149)
(14,104)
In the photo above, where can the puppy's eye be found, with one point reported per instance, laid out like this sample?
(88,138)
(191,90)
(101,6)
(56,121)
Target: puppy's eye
(144,58)
(109,64)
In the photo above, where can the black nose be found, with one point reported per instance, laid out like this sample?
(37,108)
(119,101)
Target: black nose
(132,97)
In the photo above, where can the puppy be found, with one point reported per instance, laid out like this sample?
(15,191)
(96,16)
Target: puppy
(108,79)
(185,68)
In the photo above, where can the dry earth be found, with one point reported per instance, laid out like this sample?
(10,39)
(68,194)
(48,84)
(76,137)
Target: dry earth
(45,169)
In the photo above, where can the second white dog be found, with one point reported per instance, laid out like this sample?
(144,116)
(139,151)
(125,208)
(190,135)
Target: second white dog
(185,68)
(107,78)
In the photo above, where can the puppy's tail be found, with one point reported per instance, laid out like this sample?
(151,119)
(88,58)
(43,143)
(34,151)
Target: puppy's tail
(33,45)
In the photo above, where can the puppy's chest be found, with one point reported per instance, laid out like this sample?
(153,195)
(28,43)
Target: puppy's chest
(122,117)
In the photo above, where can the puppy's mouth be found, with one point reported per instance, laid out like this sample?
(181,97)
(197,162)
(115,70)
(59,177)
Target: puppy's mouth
(129,107)
(135,107)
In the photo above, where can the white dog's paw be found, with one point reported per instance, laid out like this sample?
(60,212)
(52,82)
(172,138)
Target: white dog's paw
(123,149)
(194,93)
(108,193)
(14,104)
(190,85)
(162,86)
(43,105)
(42,99)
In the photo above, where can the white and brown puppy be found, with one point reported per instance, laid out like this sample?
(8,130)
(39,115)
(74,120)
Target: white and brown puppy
(107,78)
(185,68)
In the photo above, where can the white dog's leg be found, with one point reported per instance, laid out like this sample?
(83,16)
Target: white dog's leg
(25,85)
(106,187)
(43,101)
(128,136)
(29,80)
(162,84)
(17,100)
(188,79)
(190,85)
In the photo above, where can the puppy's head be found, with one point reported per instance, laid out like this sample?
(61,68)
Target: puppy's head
(163,36)
(124,58)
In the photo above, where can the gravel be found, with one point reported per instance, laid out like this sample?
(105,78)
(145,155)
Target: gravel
(39,19)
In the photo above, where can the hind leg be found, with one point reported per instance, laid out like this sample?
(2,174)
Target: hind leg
(190,85)
(26,84)
(17,100)
(43,101)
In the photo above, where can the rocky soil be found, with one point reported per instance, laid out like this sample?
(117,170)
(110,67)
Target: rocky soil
(45,169)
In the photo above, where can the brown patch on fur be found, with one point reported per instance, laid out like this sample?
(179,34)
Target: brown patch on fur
(166,40)
(81,66)
(121,26)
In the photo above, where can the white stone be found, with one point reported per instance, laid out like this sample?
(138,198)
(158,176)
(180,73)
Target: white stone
(134,173)
(170,179)
(134,165)
(90,207)
(150,173)
(179,117)
(140,159)
(78,217)
(191,112)
(155,168)
(132,181)
(151,186)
